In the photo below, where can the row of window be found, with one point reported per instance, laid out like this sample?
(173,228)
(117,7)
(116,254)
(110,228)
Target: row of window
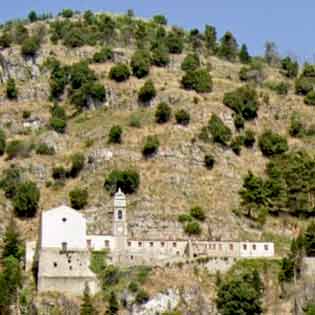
(231,246)
(140,244)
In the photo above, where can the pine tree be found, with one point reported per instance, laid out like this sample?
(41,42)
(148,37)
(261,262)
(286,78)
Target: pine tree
(244,55)
(87,307)
(113,305)
(228,47)
(211,37)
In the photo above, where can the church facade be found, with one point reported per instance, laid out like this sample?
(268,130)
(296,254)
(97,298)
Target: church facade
(65,248)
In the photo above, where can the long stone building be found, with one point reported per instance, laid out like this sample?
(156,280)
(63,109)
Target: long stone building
(65,247)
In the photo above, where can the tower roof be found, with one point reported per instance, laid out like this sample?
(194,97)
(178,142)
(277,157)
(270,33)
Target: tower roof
(120,199)
(119,194)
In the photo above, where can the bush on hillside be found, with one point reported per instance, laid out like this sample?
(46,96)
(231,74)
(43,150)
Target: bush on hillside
(191,62)
(77,164)
(44,149)
(309,98)
(59,173)
(289,68)
(182,117)
(66,13)
(303,86)
(236,144)
(198,80)
(198,213)
(160,19)
(174,43)
(127,180)
(10,178)
(58,120)
(78,198)
(210,35)
(26,199)
(163,113)
(209,161)
(271,143)
(244,55)
(192,228)
(239,121)
(3,141)
(243,101)
(18,148)
(5,40)
(30,46)
(160,56)
(296,128)
(11,90)
(151,146)
(105,54)
(219,131)
(119,72)
(140,63)
(147,92)
(249,138)
(115,134)
(228,47)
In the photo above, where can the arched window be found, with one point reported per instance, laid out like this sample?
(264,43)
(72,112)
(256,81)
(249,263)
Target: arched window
(120,215)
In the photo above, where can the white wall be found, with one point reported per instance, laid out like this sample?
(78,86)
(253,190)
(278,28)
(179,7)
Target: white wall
(256,249)
(63,225)
(99,242)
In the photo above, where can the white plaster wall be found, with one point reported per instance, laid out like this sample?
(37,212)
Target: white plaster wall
(30,249)
(216,249)
(63,224)
(98,242)
(256,249)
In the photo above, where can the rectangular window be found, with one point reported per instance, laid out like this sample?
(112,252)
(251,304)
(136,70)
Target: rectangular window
(220,246)
(129,244)
(139,244)
(151,244)
(64,246)
(231,246)
(254,246)
(107,243)
(245,247)
(89,243)
(174,244)
(266,247)
(162,244)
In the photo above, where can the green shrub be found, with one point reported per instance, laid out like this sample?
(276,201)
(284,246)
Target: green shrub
(289,68)
(11,90)
(58,79)
(32,16)
(236,144)
(308,71)
(151,146)
(160,19)
(210,35)
(44,149)
(191,62)
(59,173)
(74,38)
(209,161)
(271,143)
(10,179)
(119,72)
(249,138)
(147,92)
(26,114)
(115,134)
(160,56)
(296,128)
(105,54)
(67,13)
(243,101)
(309,240)
(30,46)
(204,134)
(163,113)
(135,121)
(77,164)
(26,199)
(5,40)
(142,297)
(228,47)
(174,43)
(198,213)
(58,124)
(281,88)
(182,218)
(128,181)
(78,198)
(17,148)
(192,228)
(309,98)
(3,141)
(239,121)
(133,287)
(182,117)
(219,131)
(140,63)
(303,86)
(244,55)
(199,80)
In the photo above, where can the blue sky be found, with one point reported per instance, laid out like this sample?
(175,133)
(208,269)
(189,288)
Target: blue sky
(289,24)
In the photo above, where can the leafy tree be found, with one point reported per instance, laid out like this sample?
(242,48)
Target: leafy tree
(174,43)
(77,164)
(240,295)
(163,113)
(87,307)
(127,180)
(199,80)
(147,92)
(289,68)
(271,53)
(296,128)
(310,309)
(219,131)
(308,71)
(11,89)
(192,228)
(286,269)
(58,79)
(209,161)
(309,98)
(115,134)
(67,13)
(191,62)
(210,38)
(119,72)
(6,40)
(160,56)
(10,179)
(3,141)
(182,117)
(58,120)
(140,63)
(151,146)
(26,199)
(239,121)
(303,86)
(309,240)
(244,55)
(271,143)
(105,54)
(12,243)
(249,138)
(78,198)
(113,305)
(30,46)
(228,47)
(244,101)
(160,19)
(32,16)
(198,213)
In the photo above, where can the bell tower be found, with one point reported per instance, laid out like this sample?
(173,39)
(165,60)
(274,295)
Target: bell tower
(120,229)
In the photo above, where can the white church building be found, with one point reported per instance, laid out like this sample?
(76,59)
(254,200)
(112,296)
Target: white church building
(64,249)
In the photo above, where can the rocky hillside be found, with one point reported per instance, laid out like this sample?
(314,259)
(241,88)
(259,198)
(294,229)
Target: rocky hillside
(68,62)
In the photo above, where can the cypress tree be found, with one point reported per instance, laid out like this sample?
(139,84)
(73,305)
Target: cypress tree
(244,55)
(87,307)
